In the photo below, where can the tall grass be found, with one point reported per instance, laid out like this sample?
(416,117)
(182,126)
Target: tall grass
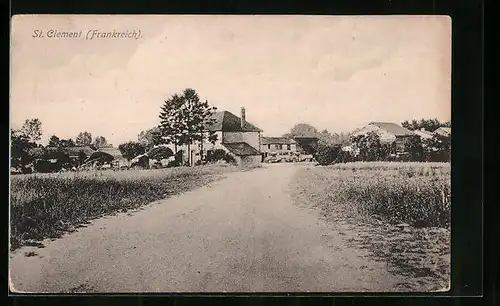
(414,193)
(46,205)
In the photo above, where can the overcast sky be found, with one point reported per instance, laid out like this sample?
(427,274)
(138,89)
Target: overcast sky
(337,73)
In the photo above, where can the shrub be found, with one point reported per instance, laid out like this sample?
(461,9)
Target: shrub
(326,155)
(219,155)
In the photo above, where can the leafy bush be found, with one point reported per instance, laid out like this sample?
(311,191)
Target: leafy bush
(219,155)
(326,155)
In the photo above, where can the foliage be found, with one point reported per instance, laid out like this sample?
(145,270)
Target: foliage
(184,119)
(150,138)
(302,129)
(19,150)
(84,139)
(415,148)
(438,148)
(370,148)
(159,153)
(46,205)
(219,155)
(326,154)
(100,142)
(428,124)
(32,129)
(54,141)
(131,149)
(65,143)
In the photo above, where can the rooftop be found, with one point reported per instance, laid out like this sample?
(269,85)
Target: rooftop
(393,128)
(229,122)
(241,149)
(277,140)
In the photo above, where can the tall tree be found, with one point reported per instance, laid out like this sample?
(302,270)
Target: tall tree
(84,139)
(32,129)
(20,147)
(150,138)
(100,142)
(184,119)
(302,129)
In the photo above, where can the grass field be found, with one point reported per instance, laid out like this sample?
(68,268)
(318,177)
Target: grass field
(399,212)
(48,205)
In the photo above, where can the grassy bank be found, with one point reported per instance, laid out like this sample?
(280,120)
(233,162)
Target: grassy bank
(47,205)
(399,212)
(415,193)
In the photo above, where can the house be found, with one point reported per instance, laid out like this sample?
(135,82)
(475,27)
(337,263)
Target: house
(389,133)
(424,134)
(443,131)
(235,135)
(277,146)
(118,159)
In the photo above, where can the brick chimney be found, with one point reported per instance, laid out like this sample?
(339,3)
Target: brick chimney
(243,118)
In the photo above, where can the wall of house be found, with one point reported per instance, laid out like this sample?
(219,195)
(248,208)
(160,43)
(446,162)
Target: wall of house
(252,160)
(251,138)
(271,148)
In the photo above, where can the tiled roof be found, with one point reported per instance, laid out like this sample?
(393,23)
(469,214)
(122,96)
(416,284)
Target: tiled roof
(393,128)
(423,133)
(443,131)
(241,149)
(277,140)
(73,151)
(228,122)
(112,151)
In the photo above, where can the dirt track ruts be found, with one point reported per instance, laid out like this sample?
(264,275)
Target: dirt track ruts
(239,234)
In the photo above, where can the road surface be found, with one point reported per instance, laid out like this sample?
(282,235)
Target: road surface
(240,234)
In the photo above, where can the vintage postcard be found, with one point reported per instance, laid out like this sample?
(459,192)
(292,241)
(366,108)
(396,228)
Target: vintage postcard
(230,153)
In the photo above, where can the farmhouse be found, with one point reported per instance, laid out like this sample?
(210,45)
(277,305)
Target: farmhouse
(277,146)
(235,135)
(389,133)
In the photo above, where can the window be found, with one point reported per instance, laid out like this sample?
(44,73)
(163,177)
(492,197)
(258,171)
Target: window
(279,147)
(269,146)
(288,147)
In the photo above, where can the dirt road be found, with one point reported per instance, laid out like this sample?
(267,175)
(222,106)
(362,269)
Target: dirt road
(240,234)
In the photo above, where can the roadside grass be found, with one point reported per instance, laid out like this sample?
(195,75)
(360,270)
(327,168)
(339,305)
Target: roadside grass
(399,212)
(48,205)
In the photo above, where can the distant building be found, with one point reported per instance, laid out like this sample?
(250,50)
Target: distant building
(443,131)
(424,134)
(389,133)
(118,159)
(235,135)
(277,146)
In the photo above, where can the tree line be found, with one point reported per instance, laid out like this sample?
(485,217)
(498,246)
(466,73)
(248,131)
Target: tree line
(26,149)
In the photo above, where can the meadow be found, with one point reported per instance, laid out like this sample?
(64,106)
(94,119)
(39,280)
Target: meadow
(399,212)
(48,205)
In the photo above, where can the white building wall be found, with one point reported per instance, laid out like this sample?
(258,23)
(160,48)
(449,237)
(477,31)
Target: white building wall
(252,138)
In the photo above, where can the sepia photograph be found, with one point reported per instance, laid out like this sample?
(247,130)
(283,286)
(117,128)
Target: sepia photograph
(230,154)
